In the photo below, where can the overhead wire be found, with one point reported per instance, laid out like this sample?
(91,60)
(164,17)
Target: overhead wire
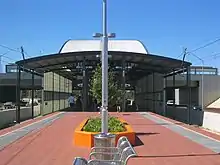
(21,51)
(210,43)
(12,49)
(15,50)
(210,58)
(8,62)
(8,57)
(201,47)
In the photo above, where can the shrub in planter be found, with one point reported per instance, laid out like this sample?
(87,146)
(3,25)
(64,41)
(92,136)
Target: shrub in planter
(114,125)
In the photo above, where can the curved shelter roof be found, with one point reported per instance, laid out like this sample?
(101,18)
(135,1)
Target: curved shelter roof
(75,51)
(131,46)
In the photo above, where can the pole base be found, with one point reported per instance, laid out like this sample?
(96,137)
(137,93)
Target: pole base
(104,141)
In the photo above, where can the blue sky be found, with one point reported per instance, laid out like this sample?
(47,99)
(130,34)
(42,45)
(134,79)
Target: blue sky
(165,27)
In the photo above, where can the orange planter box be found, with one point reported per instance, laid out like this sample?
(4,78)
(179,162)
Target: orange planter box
(85,139)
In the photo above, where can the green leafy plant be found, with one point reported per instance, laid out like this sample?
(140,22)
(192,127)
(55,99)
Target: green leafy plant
(114,125)
(114,91)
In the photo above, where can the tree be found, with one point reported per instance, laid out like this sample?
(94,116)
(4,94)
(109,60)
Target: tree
(114,91)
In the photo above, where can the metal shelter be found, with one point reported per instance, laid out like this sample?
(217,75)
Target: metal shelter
(77,66)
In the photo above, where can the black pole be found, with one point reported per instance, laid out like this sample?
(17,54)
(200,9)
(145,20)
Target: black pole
(53,92)
(42,97)
(153,88)
(123,86)
(22,52)
(32,95)
(174,84)
(18,90)
(84,86)
(189,95)
(164,96)
(59,90)
(135,97)
(64,93)
(68,86)
(174,99)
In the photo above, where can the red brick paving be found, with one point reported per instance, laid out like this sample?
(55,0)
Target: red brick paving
(25,123)
(52,145)
(164,147)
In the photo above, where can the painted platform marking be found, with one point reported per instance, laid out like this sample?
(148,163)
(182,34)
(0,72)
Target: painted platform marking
(199,138)
(14,135)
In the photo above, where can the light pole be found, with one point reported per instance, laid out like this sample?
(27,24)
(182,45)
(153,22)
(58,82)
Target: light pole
(202,81)
(104,60)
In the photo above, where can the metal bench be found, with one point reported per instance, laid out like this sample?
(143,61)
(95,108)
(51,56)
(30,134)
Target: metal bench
(120,141)
(119,154)
(126,154)
(121,145)
(120,159)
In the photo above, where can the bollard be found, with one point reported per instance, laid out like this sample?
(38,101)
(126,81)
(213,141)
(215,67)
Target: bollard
(104,140)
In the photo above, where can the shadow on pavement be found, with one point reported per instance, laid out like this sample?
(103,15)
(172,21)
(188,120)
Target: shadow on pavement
(71,110)
(146,133)
(126,114)
(176,123)
(138,141)
(178,155)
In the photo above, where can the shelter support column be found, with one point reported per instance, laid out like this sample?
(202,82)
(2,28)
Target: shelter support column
(68,86)
(32,94)
(59,91)
(173,89)
(188,86)
(135,100)
(64,89)
(18,92)
(164,96)
(53,92)
(153,92)
(42,97)
(64,81)
(84,106)
(123,86)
